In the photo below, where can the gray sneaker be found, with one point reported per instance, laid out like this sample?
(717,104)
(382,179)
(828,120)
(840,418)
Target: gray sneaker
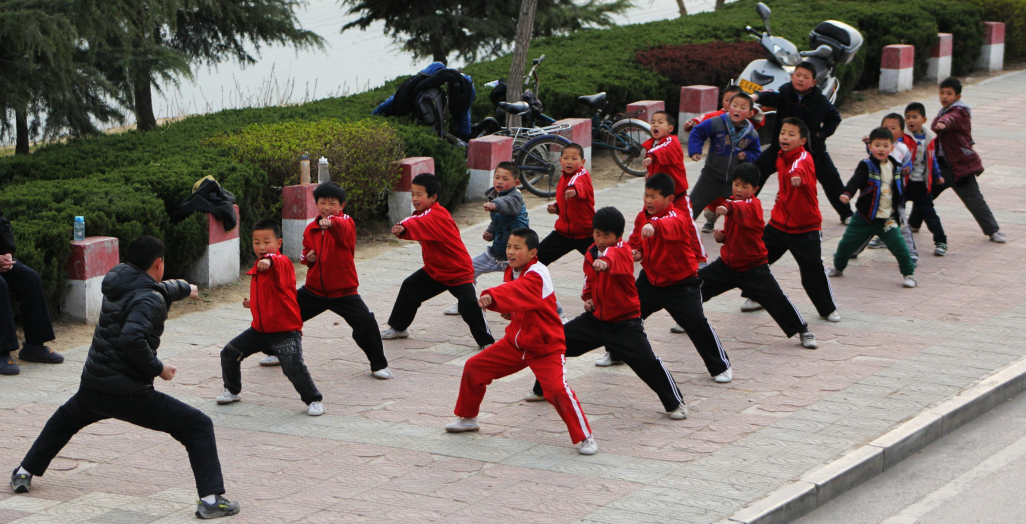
(21,483)
(677,329)
(809,340)
(998,237)
(269,360)
(454,309)
(750,305)
(391,334)
(876,243)
(940,249)
(221,507)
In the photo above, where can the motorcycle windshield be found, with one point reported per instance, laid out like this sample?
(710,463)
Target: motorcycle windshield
(781,51)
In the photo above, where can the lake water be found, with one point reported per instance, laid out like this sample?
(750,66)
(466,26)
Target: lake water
(351,62)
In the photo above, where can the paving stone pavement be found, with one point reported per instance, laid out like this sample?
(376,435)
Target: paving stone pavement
(379,454)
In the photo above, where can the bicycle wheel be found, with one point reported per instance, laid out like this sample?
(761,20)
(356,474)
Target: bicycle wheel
(538,160)
(625,144)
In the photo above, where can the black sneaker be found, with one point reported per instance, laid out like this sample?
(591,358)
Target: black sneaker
(221,507)
(8,366)
(41,354)
(21,482)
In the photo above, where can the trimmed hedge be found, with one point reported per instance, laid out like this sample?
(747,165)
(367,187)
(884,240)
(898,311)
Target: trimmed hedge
(711,63)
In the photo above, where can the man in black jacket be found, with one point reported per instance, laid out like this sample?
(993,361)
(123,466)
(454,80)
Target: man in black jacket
(24,283)
(802,99)
(117,380)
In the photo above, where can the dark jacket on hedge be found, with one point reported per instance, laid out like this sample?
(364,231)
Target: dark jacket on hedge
(7,244)
(866,181)
(123,356)
(813,108)
(955,141)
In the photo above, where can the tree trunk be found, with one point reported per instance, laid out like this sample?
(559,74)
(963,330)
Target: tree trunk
(684,10)
(141,90)
(21,144)
(719,4)
(438,51)
(515,84)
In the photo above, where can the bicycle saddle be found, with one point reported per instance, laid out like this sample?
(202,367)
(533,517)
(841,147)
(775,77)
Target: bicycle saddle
(515,108)
(593,100)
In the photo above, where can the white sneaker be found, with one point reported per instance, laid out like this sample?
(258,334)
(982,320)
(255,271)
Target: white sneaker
(588,446)
(677,329)
(809,340)
(316,409)
(531,396)
(461,425)
(680,413)
(725,377)
(454,309)
(846,221)
(834,317)
(910,281)
(834,272)
(876,243)
(391,334)
(607,360)
(998,237)
(226,397)
(269,360)
(750,305)
(563,319)
(383,374)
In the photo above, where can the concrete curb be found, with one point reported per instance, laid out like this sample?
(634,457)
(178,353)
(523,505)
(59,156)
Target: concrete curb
(818,487)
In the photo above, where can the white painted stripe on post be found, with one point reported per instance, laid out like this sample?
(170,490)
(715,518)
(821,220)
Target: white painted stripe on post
(292,233)
(84,299)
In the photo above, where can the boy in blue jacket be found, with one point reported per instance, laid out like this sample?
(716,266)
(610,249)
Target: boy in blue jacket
(732,141)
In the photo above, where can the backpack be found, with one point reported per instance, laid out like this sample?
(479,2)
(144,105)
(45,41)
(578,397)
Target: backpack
(431,107)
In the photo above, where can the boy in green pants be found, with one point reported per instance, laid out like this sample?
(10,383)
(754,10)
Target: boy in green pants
(879,182)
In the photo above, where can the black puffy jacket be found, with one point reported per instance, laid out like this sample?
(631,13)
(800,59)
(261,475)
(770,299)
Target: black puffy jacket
(123,356)
(813,108)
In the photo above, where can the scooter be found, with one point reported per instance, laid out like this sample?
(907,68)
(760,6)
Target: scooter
(833,43)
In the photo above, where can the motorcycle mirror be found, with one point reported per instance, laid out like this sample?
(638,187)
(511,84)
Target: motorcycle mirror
(824,51)
(764,13)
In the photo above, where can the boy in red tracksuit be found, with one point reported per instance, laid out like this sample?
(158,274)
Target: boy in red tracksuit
(329,244)
(795,223)
(666,155)
(612,314)
(669,273)
(743,262)
(447,265)
(575,206)
(534,338)
(277,326)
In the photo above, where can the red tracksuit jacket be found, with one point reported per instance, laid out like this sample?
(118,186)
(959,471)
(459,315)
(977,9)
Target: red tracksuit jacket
(797,208)
(743,247)
(272,296)
(613,290)
(666,256)
(668,157)
(575,214)
(445,256)
(333,274)
(530,300)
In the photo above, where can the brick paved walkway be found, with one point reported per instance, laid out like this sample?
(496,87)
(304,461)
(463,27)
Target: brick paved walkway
(380,454)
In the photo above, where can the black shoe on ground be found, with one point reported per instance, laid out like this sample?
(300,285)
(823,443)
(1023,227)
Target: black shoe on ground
(7,365)
(21,482)
(221,507)
(40,354)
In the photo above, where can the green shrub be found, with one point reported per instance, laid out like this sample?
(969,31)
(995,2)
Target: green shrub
(886,23)
(1013,14)
(965,23)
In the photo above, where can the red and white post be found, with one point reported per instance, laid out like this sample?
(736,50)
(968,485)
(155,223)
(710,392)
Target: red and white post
(297,211)
(580,133)
(992,54)
(896,68)
(400,201)
(90,260)
(939,66)
(647,108)
(219,264)
(483,157)
(696,101)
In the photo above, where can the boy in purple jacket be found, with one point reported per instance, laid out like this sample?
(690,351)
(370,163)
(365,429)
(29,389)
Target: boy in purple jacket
(959,163)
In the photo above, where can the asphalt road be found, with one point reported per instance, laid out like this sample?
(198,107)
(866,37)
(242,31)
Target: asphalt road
(977,474)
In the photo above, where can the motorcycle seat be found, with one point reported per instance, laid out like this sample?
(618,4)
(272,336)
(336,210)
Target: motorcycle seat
(593,100)
(515,108)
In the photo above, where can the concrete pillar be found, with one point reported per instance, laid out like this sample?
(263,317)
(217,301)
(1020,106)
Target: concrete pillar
(90,261)
(400,202)
(483,156)
(992,55)
(696,101)
(896,68)
(219,264)
(647,107)
(580,133)
(297,211)
(939,66)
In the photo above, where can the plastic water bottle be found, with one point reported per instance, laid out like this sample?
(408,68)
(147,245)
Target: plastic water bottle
(322,171)
(79,228)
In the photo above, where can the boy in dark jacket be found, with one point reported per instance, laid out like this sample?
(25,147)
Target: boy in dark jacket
(508,212)
(117,379)
(743,261)
(959,162)
(802,99)
(534,338)
(329,245)
(879,182)
(612,314)
(277,325)
(447,265)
